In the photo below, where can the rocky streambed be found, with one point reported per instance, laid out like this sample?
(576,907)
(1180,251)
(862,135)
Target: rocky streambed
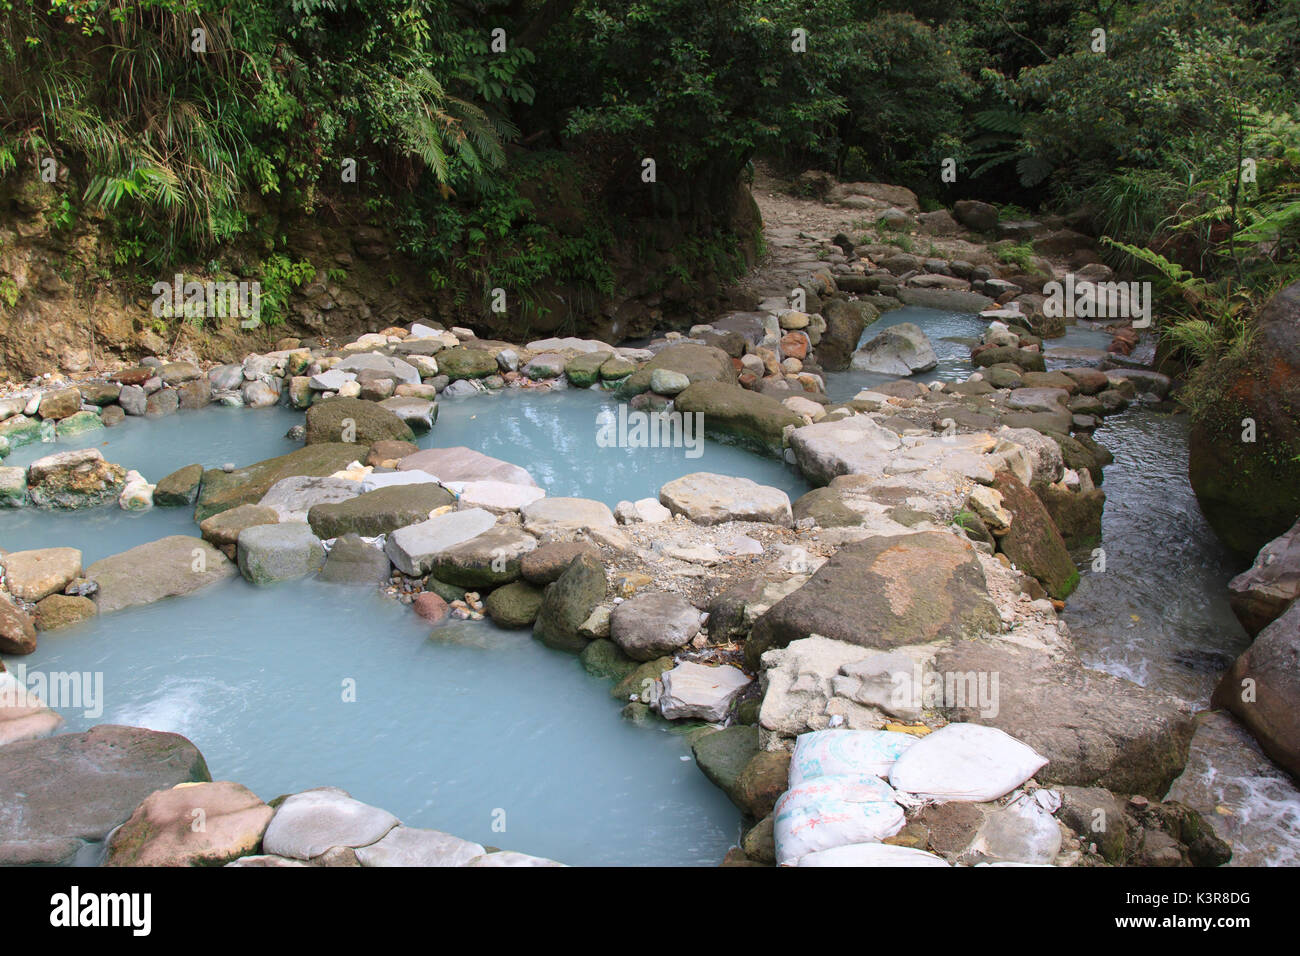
(909,605)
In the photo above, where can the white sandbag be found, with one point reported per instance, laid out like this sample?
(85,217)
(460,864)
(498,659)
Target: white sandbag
(872,854)
(965,762)
(825,752)
(832,811)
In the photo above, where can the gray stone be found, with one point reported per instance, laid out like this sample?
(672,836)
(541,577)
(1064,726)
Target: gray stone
(414,548)
(169,567)
(901,349)
(708,499)
(405,846)
(653,623)
(705,693)
(387,365)
(568,602)
(293,498)
(356,562)
(269,553)
(559,515)
(308,824)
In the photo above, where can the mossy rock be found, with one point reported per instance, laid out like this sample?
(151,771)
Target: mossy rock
(583,370)
(699,363)
(461,362)
(222,490)
(1033,542)
(736,414)
(514,605)
(603,658)
(354,420)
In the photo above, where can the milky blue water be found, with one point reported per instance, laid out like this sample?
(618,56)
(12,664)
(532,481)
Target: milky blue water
(447,730)
(449,727)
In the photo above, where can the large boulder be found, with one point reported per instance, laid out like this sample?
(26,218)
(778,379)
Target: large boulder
(699,363)
(74,479)
(735,414)
(707,498)
(901,349)
(1262,689)
(352,420)
(1033,542)
(1250,490)
(845,320)
(722,756)
(169,567)
(378,512)
(1095,729)
(60,793)
(568,602)
(653,623)
(198,824)
(222,489)
(465,464)
(1260,595)
(885,592)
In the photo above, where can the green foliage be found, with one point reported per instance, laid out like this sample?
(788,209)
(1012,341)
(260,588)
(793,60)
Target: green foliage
(1018,253)
(8,291)
(279,276)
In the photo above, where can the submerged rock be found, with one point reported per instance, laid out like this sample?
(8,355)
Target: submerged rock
(356,562)
(465,464)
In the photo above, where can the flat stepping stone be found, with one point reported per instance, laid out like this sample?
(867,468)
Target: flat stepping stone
(560,515)
(413,548)
(169,567)
(378,512)
(293,498)
(709,499)
(32,575)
